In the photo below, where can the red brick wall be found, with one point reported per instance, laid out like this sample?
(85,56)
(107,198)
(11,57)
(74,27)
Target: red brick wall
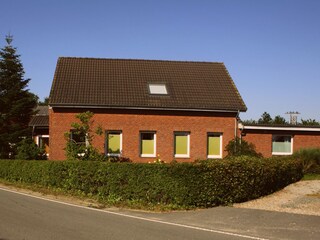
(306,141)
(262,142)
(262,139)
(132,122)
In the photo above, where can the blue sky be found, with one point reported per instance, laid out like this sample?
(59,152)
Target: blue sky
(271,48)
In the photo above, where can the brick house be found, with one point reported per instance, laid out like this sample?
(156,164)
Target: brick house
(271,140)
(178,110)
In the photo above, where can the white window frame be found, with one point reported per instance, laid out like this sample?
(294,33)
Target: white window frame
(41,136)
(154,144)
(38,141)
(107,144)
(182,133)
(158,89)
(220,135)
(282,153)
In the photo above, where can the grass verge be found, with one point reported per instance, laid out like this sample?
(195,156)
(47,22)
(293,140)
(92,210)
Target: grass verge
(311,176)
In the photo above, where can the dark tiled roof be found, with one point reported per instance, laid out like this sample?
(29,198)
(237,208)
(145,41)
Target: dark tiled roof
(39,121)
(120,83)
(42,110)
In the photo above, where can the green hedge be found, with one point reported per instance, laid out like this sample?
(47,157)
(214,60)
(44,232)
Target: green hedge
(202,184)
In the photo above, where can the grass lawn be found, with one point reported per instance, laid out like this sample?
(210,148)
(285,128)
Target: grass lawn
(310,176)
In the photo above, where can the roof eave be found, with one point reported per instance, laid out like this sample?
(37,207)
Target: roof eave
(147,108)
(284,128)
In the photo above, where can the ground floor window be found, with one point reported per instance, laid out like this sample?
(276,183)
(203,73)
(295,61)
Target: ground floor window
(181,144)
(282,145)
(43,142)
(113,143)
(147,144)
(78,138)
(214,145)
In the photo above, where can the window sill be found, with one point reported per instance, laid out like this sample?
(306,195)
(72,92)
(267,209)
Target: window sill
(281,154)
(113,154)
(214,157)
(147,155)
(181,156)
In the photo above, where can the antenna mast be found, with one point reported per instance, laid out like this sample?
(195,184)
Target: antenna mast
(293,117)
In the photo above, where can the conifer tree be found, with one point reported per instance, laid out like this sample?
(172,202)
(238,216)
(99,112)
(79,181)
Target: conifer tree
(16,102)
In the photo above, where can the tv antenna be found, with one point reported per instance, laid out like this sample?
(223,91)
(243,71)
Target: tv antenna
(293,117)
(9,39)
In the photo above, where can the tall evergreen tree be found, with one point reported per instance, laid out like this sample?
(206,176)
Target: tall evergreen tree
(16,102)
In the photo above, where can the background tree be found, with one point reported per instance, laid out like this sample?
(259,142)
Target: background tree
(16,102)
(279,120)
(310,122)
(248,122)
(265,118)
(45,102)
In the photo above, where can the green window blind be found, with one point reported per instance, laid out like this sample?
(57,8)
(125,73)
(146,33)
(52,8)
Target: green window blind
(214,145)
(114,143)
(181,144)
(147,143)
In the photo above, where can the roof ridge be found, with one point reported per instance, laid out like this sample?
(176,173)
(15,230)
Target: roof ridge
(141,59)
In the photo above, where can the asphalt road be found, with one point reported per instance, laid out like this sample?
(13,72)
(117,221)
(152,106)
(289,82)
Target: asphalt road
(27,217)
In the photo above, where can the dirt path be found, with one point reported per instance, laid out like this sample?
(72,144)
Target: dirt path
(302,197)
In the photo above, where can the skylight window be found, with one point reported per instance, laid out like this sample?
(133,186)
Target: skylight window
(158,89)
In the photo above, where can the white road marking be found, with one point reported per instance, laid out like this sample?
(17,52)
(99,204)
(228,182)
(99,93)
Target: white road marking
(139,218)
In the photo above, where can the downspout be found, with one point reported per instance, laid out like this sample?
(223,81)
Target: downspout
(33,127)
(236,125)
(236,130)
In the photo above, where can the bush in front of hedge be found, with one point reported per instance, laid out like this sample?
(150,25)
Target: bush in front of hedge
(201,184)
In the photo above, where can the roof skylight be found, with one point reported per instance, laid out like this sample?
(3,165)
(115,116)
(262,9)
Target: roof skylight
(158,88)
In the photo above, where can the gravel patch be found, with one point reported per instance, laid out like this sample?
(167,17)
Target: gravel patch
(301,197)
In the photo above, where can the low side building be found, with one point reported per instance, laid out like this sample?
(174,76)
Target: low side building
(272,140)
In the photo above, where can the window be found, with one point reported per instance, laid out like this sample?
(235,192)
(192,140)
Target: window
(181,144)
(148,144)
(43,142)
(281,145)
(78,138)
(158,89)
(113,143)
(214,145)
